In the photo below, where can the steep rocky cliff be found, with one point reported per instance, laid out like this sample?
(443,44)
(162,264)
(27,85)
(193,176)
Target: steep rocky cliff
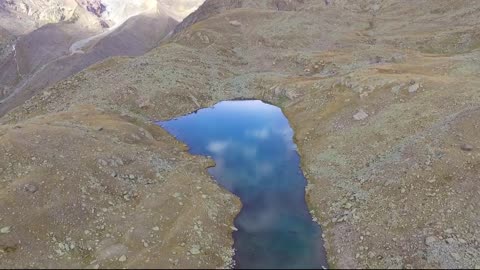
(383,98)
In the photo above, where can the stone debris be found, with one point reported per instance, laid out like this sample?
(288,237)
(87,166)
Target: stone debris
(455,255)
(466,147)
(413,88)
(30,188)
(430,240)
(5,230)
(195,250)
(450,241)
(235,23)
(360,115)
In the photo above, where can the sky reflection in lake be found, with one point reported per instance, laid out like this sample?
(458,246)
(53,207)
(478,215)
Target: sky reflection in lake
(256,159)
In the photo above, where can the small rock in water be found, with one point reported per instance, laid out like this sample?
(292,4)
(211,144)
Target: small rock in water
(466,147)
(5,230)
(156,228)
(122,258)
(30,188)
(360,115)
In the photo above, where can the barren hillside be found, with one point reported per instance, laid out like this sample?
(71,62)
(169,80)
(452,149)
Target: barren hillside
(383,97)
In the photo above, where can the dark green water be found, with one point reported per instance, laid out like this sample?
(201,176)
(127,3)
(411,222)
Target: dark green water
(256,159)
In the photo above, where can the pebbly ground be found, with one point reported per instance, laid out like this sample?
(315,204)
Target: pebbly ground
(383,98)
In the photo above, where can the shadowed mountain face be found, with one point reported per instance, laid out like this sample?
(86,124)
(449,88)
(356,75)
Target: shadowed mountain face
(56,51)
(94,6)
(46,56)
(24,16)
(382,95)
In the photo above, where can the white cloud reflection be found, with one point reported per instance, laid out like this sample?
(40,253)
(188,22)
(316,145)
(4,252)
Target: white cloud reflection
(217,147)
(261,134)
(264,168)
(249,151)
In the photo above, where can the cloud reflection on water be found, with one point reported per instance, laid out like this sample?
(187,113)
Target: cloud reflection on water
(261,134)
(217,147)
(252,145)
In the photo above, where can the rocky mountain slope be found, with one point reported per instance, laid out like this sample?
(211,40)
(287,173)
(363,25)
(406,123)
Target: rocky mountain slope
(22,17)
(57,50)
(383,98)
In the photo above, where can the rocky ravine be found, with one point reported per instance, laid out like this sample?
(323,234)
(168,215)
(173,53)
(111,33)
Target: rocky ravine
(383,97)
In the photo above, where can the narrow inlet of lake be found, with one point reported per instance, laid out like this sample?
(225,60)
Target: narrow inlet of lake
(257,160)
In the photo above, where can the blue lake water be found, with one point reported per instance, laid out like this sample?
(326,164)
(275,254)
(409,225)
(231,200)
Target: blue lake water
(256,159)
